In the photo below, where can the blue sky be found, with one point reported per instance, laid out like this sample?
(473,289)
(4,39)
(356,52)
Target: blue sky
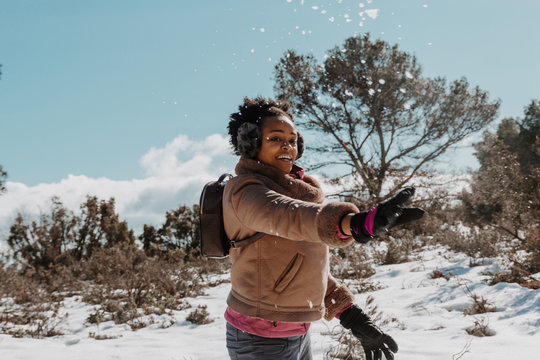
(93,88)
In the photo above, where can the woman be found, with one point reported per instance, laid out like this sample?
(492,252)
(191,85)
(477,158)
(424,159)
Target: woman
(281,283)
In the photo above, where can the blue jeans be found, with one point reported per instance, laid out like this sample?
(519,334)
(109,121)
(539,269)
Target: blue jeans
(244,346)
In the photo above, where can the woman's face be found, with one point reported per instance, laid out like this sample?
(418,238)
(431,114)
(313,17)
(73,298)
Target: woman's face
(279,143)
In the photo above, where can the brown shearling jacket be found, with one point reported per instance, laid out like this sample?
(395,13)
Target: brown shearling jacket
(284,276)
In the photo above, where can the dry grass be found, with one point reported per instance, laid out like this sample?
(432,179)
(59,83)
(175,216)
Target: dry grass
(351,263)
(199,316)
(35,320)
(517,274)
(480,329)
(437,274)
(480,305)
(125,285)
(478,246)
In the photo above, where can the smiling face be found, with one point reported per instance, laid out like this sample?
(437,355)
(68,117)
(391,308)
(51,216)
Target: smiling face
(279,146)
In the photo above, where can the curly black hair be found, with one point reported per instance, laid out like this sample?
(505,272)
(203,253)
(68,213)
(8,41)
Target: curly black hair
(246,124)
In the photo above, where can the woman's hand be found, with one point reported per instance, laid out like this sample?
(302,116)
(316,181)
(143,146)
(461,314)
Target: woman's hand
(365,226)
(373,340)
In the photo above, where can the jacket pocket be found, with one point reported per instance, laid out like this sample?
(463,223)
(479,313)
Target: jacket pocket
(289,273)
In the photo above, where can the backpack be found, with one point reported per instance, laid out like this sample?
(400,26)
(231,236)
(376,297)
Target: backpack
(214,240)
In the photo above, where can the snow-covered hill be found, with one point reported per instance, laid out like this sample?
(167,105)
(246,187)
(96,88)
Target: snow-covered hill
(429,311)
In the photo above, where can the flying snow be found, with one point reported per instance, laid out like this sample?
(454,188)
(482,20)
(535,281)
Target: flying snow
(372,13)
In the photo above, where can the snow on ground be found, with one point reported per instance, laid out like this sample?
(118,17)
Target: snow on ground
(430,313)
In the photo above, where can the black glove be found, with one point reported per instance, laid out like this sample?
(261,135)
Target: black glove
(384,216)
(373,340)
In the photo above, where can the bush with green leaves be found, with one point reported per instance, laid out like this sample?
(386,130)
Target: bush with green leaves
(179,231)
(61,237)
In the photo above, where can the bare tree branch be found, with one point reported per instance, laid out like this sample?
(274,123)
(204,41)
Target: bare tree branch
(371,103)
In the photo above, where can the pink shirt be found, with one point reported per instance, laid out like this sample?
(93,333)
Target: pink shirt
(265,328)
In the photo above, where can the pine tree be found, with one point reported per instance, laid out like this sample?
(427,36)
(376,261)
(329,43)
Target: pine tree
(505,192)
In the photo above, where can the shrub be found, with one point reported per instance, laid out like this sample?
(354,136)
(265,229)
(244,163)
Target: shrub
(353,263)
(124,283)
(480,329)
(480,305)
(517,274)
(398,251)
(532,246)
(32,319)
(180,231)
(43,243)
(129,284)
(477,245)
(95,256)
(61,238)
(199,316)
(439,204)
(504,201)
(348,346)
(437,274)
(100,227)
(21,288)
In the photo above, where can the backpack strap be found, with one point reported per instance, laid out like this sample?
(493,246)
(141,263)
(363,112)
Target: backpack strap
(223,176)
(250,239)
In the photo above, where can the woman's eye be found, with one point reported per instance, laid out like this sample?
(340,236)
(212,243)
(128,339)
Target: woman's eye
(292,141)
(275,138)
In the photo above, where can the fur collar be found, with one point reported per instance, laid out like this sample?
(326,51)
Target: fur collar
(307,189)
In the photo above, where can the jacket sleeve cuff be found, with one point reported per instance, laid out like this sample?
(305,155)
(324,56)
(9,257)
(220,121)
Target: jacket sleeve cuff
(328,218)
(336,301)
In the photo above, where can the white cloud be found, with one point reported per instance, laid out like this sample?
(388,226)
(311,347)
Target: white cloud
(167,161)
(175,175)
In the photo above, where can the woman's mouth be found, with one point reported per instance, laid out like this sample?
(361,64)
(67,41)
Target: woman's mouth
(285,158)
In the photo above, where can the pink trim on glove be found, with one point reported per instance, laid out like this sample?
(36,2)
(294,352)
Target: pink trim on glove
(370,219)
(341,235)
(350,305)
